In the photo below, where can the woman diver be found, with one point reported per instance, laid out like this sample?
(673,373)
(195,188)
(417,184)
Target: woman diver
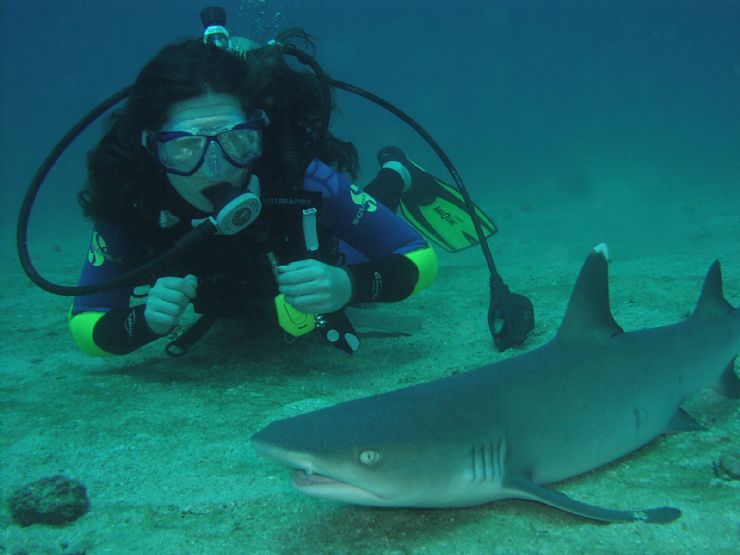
(207,131)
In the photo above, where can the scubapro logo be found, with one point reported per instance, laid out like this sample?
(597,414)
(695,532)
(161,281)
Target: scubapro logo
(287,201)
(365,202)
(98,251)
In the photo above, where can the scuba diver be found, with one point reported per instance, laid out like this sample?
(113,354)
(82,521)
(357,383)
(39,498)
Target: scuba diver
(205,130)
(219,185)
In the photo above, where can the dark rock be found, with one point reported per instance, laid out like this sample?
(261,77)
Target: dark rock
(56,500)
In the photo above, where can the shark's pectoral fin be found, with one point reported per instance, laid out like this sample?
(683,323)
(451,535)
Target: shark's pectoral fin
(682,421)
(533,492)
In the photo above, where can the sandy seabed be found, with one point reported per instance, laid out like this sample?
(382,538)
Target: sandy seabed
(162,444)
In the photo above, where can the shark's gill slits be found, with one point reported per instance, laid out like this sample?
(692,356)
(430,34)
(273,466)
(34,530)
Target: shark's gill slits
(487,462)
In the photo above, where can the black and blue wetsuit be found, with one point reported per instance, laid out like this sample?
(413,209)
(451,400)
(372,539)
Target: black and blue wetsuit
(387,260)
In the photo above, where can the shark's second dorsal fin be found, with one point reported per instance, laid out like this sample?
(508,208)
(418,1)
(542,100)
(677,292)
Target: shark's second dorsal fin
(588,312)
(712,301)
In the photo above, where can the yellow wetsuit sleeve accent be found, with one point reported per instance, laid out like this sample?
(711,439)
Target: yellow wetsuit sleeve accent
(81,327)
(425,261)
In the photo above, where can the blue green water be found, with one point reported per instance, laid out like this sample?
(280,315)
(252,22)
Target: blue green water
(523,95)
(572,121)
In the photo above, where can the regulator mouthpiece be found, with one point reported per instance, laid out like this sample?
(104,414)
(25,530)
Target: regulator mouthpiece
(235,209)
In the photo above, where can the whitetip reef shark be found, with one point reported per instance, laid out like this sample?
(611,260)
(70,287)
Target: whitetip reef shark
(591,395)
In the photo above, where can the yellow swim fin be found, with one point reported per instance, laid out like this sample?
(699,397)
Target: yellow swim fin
(438,211)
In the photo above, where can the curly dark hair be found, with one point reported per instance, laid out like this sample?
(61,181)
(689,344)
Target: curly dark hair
(127,185)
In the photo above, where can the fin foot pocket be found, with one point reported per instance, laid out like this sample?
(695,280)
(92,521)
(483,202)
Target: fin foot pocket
(435,208)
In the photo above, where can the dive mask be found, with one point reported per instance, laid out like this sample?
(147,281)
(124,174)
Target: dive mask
(183,153)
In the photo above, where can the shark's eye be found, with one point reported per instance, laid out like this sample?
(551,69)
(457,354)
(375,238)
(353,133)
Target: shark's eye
(369,457)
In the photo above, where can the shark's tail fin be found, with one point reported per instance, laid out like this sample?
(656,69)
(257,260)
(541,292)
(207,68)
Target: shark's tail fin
(712,301)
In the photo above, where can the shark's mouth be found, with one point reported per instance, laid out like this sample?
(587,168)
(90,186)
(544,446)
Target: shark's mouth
(302,479)
(320,485)
(307,480)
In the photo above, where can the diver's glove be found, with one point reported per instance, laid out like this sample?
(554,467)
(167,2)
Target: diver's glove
(510,316)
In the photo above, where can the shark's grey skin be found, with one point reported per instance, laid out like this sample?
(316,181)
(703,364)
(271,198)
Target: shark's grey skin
(591,395)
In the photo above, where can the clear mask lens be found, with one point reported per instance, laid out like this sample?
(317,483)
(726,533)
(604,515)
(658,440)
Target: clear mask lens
(242,145)
(185,153)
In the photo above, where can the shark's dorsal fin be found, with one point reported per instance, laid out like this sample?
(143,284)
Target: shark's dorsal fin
(712,301)
(588,312)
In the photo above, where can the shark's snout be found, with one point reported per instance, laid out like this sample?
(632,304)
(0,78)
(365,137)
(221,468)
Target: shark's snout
(285,457)
(311,479)
(303,466)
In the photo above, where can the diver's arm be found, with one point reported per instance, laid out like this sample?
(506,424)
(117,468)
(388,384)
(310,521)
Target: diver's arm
(116,332)
(103,323)
(393,277)
(397,261)
(120,331)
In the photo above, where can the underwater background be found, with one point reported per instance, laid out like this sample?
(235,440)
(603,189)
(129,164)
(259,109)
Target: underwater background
(572,122)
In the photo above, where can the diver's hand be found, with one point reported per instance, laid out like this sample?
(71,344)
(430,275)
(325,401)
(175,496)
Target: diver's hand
(167,300)
(315,287)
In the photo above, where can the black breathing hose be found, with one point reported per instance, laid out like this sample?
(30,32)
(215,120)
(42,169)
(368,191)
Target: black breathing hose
(290,158)
(185,243)
(326,83)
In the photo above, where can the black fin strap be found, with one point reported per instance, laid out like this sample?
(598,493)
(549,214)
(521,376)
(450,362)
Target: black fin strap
(181,345)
